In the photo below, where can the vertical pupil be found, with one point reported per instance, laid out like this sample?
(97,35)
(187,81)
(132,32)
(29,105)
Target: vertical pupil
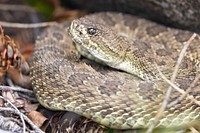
(91,31)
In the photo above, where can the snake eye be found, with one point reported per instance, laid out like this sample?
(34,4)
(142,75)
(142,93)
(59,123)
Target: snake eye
(91,31)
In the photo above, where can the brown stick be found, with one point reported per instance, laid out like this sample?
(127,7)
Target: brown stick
(25,26)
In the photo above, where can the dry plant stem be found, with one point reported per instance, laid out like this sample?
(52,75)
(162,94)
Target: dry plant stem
(20,114)
(193,130)
(169,90)
(186,92)
(26,26)
(180,90)
(16,88)
(24,117)
(7,7)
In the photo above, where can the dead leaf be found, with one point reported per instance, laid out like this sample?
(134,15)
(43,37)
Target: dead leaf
(8,94)
(28,107)
(37,118)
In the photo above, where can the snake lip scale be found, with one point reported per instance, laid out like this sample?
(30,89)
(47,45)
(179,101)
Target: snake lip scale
(127,99)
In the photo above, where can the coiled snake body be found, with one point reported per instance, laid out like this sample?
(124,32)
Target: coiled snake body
(114,98)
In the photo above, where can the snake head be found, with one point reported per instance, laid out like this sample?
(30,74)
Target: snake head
(95,40)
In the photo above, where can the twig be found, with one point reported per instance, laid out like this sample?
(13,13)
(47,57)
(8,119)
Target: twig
(169,90)
(20,114)
(180,90)
(25,8)
(24,117)
(186,92)
(193,130)
(16,88)
(25,26)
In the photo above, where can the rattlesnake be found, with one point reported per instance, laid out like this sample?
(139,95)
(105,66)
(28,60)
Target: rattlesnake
(64,81)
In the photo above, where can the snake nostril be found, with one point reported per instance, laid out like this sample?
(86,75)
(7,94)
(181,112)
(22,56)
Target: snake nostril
(80,33)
